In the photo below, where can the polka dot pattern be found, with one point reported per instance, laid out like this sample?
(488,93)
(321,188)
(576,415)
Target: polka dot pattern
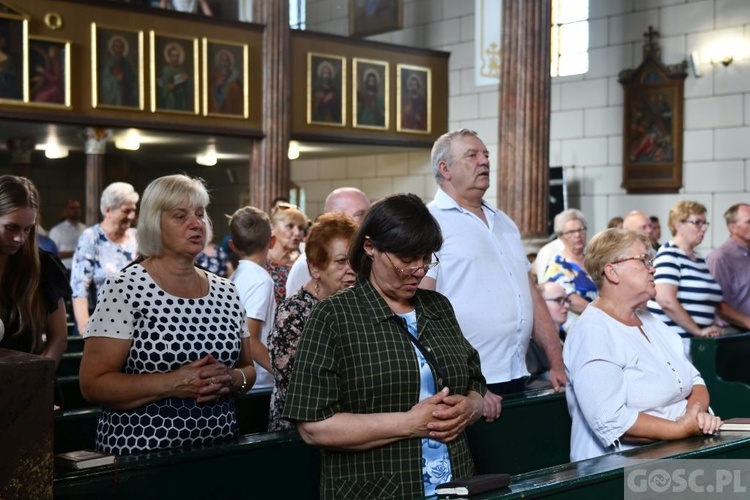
(167,332)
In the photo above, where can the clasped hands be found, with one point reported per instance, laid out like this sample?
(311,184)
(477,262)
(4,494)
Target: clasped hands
(206,379)
(699,421)
(444,416)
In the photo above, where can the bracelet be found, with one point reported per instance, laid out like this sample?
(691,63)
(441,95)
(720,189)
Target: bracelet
(244,381)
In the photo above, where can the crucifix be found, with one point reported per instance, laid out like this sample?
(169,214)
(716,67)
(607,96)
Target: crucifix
(651,47)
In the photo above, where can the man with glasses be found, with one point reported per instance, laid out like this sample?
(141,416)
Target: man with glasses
(485,273)
(730,263)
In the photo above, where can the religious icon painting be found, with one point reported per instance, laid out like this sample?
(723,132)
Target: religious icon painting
(49,72)
(414,104)
(174,72)
(371,93)
(13,58)
(225,85)
(326,89)
(116,68)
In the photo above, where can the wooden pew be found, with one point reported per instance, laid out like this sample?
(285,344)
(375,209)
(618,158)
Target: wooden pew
(533,432)
(271,465)
(724,363)
(603,477)
(76,429)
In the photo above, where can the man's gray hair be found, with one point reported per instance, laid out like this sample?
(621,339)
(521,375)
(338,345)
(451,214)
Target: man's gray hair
(441,150)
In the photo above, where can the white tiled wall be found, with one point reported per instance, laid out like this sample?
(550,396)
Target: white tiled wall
(586,121)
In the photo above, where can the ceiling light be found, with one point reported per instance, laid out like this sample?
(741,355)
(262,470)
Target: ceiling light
(129,141)
(53,150)
(209,158)
(293,152)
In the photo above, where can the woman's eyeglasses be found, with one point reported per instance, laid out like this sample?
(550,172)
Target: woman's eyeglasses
(411,271)
(560,301)
(646,259)
(574,231)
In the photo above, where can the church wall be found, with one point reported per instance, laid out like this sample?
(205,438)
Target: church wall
(586,122)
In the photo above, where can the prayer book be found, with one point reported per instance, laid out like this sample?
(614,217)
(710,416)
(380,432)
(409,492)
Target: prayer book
(83,459)
(736,424)
(473,485)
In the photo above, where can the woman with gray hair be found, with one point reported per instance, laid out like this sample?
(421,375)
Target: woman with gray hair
(103,249)
(629,382)
(568,270)
(164,362)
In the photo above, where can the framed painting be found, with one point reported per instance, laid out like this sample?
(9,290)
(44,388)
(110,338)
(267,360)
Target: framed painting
(13,58)
(326,84)
(116,67)
(414,104)
(49,72)
(225,85)
(652,128)
(370,107)
(174,72)
(370,17)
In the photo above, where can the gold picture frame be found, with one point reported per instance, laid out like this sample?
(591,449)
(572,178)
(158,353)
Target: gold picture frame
(326,89)
(370,17)
(225,79)
(49,72)
(174,74)
(414,99)
(116,68)
(14,86)
(371,91)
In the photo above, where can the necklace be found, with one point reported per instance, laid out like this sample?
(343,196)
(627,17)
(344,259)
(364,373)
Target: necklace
(181,286)
(643,333)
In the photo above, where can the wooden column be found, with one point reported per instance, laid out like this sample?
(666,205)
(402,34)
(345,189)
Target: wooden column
(523,158)
(269,164)
(95,148)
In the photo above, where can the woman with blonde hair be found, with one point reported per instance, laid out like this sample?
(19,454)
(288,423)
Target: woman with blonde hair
(629,382)
(687,296)
(289,225)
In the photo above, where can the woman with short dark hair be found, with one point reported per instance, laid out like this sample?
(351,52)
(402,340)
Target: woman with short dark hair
(384,380)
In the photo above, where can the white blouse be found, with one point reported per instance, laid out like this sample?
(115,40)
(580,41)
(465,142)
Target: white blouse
(614,373)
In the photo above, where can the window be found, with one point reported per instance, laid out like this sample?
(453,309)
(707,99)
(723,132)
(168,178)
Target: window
(569,37)
(297,14)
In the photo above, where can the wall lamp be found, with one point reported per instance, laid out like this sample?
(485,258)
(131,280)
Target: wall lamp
(209,158)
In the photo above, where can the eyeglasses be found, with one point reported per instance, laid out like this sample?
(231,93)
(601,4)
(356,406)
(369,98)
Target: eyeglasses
(560,301)
(411,271)
(574,231)
(646,259)
(698,223)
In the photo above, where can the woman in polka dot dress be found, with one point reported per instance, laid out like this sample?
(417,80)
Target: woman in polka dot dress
(167,345)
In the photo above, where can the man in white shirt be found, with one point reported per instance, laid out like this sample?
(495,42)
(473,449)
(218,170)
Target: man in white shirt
(347,200)
(485,273)
(66,233)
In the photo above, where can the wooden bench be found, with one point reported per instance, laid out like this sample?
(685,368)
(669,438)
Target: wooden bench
(76,429)
(603,477)
(271,465)
(724,363)
(533,432)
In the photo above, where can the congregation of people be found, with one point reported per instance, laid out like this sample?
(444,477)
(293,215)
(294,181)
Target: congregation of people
(382,330)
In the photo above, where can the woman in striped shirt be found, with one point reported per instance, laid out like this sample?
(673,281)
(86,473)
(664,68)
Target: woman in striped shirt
(687,296)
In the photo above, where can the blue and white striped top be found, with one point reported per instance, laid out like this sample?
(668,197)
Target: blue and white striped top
(697,291)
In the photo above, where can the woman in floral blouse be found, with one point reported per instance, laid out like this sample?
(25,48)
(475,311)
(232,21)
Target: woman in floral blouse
(327,248)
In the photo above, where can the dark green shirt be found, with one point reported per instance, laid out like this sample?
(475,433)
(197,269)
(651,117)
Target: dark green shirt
(354,357)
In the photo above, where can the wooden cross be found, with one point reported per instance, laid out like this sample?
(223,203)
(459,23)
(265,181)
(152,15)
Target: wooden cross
(651,34)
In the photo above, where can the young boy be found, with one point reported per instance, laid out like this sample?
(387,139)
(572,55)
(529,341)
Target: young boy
(250,230)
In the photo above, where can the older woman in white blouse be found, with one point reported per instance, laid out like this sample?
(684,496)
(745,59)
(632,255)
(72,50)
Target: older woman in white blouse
(629,381)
